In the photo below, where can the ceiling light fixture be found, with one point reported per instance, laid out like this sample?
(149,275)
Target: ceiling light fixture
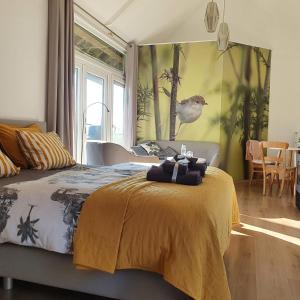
(211,16)
(223,34)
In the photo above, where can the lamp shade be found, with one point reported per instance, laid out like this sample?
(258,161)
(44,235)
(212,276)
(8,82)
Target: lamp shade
(223,36)
(211,17)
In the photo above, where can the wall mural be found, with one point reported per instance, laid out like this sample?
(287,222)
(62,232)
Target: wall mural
(191,91)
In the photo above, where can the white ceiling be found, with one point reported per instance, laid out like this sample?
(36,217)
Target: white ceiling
(255,22)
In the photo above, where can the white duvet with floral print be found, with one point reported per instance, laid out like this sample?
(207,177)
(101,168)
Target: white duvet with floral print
(43,213)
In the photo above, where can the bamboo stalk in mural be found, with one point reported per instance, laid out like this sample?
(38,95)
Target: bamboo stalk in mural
(173,98)
(262,91)
(155,91)
(246,107)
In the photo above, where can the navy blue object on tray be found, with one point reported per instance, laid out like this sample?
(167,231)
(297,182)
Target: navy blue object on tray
(193,165)
(158,174)
(168,167)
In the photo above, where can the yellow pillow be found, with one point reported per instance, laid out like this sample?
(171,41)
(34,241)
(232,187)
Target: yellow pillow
(7,168)
(44,151)
(8,143)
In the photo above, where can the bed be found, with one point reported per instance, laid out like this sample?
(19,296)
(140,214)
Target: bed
(56,269)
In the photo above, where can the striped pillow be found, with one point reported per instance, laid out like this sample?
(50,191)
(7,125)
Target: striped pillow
(44,151)
(7,168)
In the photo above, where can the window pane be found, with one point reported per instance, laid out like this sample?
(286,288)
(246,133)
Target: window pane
(94,108)
(118,114)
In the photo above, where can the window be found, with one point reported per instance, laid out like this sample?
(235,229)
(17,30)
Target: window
(101,107)
(94,103)
(118,123)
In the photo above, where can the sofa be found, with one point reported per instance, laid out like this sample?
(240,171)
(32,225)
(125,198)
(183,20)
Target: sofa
(110,153)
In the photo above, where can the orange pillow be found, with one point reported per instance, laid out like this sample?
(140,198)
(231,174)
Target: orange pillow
(9,144)
(7,168)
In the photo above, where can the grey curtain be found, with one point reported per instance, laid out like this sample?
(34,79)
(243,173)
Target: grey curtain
(131,72)
(60,85)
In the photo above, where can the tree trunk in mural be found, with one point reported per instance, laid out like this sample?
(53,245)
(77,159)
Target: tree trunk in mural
(260,99)
(155,92)
(267,78)
(246,108)
(173,98)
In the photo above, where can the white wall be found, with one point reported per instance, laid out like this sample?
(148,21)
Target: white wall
(284,114)
(23,52)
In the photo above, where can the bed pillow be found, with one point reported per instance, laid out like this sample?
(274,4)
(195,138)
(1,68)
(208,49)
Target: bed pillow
(44,151)
(7,168)
(8,142)
(152,148)
(139,150)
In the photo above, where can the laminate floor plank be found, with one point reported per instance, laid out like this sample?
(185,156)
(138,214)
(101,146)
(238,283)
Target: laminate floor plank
(265,246)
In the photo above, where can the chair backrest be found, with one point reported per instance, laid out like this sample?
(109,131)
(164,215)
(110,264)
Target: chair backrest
(106,153)
(279,147)
(253,151)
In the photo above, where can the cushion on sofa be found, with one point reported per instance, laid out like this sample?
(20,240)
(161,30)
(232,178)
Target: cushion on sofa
(139,150)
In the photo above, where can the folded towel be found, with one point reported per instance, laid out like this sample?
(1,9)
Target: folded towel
(168,167)
(193,165)
(157,174)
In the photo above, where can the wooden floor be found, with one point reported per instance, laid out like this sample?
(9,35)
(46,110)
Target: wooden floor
(263,261)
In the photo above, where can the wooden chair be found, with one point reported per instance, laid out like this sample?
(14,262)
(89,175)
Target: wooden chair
(278,166)
(254,158)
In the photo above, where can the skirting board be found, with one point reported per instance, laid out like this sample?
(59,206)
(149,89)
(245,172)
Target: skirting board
(54,269)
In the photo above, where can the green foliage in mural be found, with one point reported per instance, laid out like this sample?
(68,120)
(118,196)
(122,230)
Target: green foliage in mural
(144,94)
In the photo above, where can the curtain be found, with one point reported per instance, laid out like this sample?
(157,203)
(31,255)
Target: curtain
(131,72)
(60,82)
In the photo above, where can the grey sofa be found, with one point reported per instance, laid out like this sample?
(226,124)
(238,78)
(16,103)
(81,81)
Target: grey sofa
(209,151)
(110,153)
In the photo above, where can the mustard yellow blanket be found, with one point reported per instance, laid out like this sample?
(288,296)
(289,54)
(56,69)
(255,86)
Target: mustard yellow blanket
(178,231)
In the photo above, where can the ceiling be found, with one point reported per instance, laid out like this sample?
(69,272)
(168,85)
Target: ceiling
(255,22)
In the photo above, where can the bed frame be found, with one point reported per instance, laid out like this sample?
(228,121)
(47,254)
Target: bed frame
(57,270)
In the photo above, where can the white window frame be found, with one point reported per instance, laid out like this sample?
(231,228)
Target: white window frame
(119,80)
(85,65)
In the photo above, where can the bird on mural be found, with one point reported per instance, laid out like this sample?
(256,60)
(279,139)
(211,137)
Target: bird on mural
(189,110)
